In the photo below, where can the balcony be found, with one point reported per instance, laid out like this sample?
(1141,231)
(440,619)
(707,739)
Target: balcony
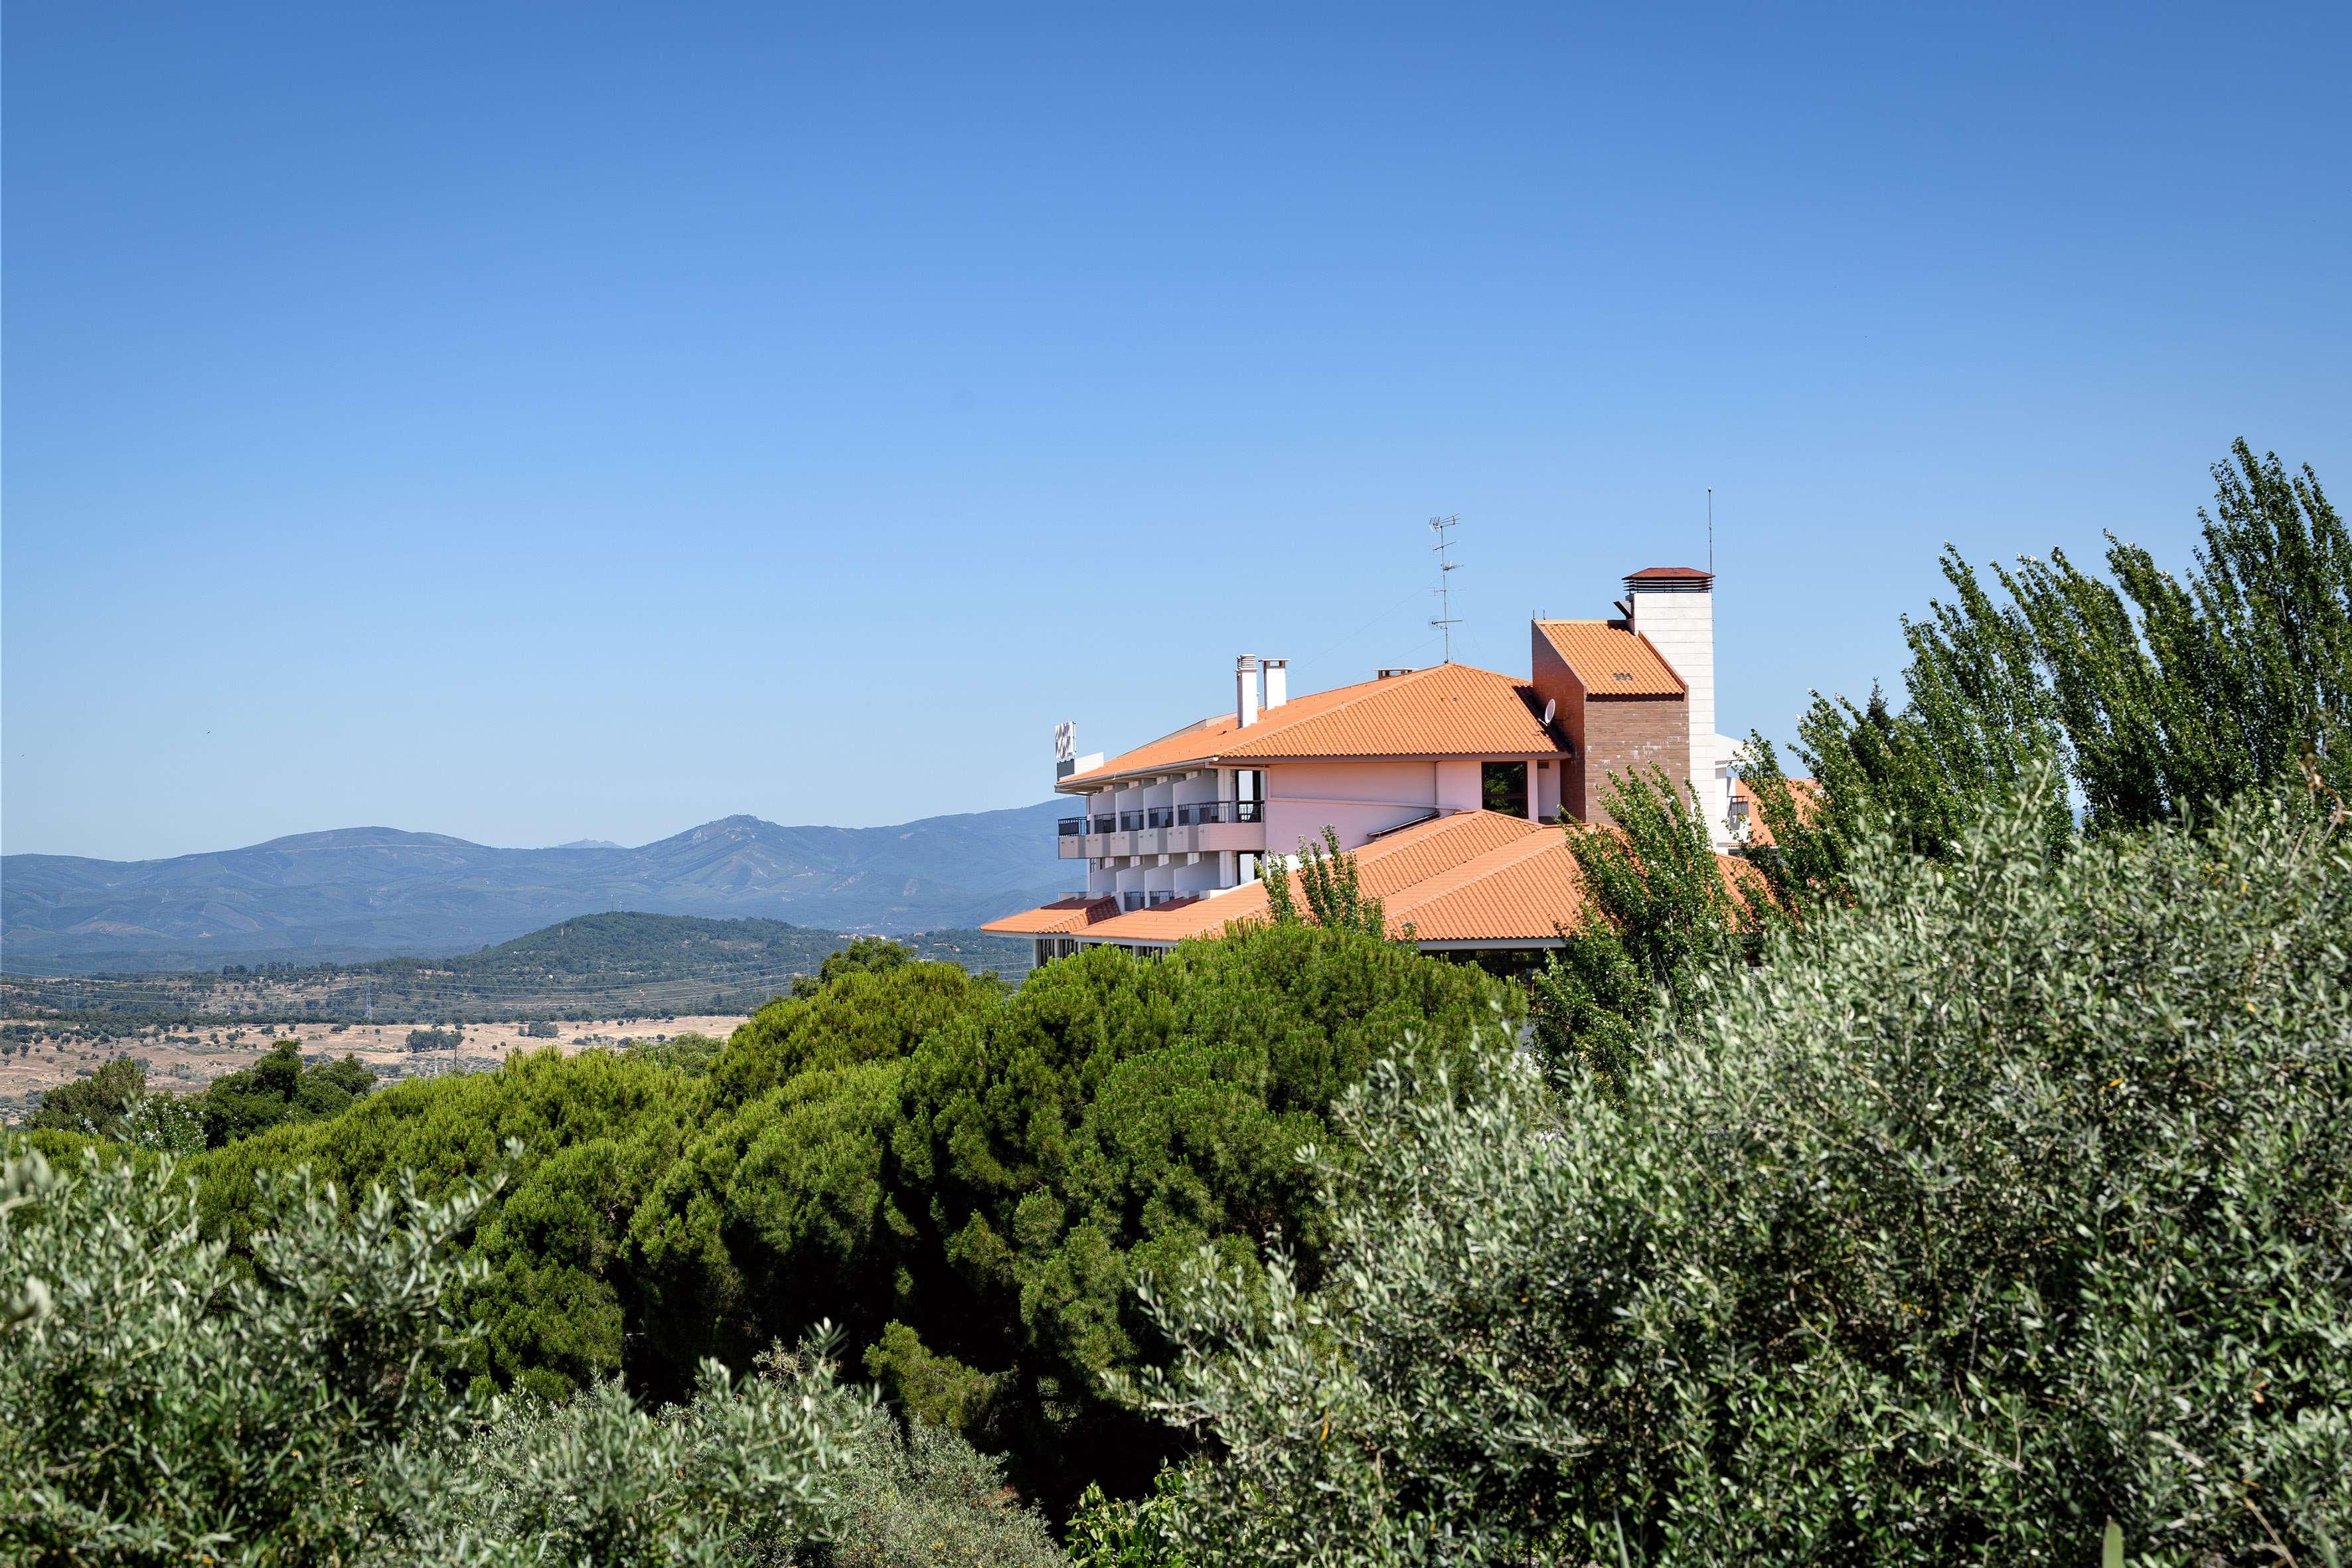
(1205,827)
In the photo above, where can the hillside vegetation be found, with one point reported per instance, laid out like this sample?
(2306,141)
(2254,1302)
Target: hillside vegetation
(624,964)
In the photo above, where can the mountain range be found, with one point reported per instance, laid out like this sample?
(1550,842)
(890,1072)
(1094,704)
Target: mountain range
(361,893)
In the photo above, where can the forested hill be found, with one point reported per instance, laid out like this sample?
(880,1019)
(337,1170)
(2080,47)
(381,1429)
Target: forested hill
(358,894)
(624,963)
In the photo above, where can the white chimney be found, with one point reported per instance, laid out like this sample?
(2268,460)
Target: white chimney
(1277,683)
(1246,690)
(1674,608)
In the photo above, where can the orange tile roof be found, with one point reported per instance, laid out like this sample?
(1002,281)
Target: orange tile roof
(1415,867)
(1444,711)
(1611,661)
(1182,918)
(1670,574)
(1059,917)
(1473,878)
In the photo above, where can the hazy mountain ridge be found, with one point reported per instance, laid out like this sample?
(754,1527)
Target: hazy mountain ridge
(352,894)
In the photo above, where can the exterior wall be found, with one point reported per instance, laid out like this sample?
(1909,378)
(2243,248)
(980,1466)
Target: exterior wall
(1358,799)
(1543,794)
(1557,684)
(1631,734)
(1681,627)
(1460,787)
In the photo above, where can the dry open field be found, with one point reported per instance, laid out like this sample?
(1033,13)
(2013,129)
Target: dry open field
(185,1062)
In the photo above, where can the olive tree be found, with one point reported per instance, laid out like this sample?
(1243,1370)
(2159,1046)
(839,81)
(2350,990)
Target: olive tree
(2012,1199)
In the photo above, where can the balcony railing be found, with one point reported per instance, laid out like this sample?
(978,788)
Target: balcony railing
(1206,812)
(1198,814)
(1129,902)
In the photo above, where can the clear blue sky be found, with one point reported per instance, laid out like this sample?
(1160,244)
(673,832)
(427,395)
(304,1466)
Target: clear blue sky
(542,422)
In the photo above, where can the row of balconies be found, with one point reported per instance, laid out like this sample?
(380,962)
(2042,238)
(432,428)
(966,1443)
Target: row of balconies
(1198,812)
(1198,837)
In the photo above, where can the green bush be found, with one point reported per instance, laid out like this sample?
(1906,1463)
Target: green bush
(966,1178)
(2015,1198)
(279,1088)
(157,1402)
(113,1104)
(160,1404)
(1658,916)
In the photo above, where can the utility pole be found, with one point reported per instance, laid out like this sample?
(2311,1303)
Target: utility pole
(1444,622)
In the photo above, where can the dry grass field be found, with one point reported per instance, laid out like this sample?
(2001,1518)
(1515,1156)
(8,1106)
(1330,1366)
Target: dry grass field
(185,1062)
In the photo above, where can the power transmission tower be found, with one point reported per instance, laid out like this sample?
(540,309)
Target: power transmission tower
(1444,622)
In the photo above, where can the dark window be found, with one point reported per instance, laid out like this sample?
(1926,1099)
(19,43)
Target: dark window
(1505,785)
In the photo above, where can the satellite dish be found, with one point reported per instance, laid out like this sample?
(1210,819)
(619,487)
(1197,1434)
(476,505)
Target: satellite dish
(1550,708)
(1066,741)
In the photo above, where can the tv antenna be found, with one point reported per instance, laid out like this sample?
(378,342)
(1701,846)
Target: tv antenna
(1445,622)
(1710,530)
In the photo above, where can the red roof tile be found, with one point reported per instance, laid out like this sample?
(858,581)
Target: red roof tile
(1057,918)
(1444,711)
(1475,878)
(1611,661)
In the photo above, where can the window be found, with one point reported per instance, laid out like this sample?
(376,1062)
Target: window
(1504,786)
(1248,866)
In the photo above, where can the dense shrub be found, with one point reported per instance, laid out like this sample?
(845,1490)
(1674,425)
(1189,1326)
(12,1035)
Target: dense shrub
(156,1403)
(279,1089)
(594,1130)
(114,1105)
(159,1404)
(2013,1199)
(1661,911)
(965,1178)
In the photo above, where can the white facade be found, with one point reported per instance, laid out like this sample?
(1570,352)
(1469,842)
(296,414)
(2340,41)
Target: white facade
(1677,616)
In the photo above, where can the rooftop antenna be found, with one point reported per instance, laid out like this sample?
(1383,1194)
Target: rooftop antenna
(1444,621)
(1710,530)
